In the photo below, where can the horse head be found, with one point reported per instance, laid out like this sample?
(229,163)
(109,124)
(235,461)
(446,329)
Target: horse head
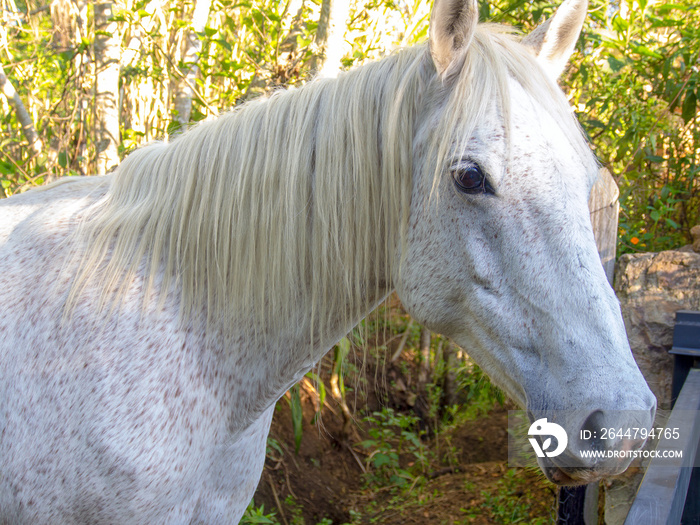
(499,225)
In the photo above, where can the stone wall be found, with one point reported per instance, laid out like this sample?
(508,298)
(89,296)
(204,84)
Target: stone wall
(651,288)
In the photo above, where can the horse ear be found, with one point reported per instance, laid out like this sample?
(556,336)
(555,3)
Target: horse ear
(452,25)
(554,40)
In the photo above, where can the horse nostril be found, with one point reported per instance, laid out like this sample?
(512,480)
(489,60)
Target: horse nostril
(594,421)
(623,431)
(591,430)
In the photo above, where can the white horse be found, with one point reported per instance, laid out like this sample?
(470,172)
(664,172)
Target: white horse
(151,318)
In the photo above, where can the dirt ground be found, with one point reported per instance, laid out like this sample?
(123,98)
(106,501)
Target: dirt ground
(469,481)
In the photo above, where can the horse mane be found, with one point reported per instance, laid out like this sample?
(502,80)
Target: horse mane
(298,198)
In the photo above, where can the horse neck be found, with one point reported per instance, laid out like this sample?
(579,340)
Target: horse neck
(281,220)
(357,199)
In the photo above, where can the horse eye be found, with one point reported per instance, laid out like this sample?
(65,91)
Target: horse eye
(470,179)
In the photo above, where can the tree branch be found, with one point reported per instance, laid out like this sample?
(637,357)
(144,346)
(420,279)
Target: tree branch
(22,115)
(106,48)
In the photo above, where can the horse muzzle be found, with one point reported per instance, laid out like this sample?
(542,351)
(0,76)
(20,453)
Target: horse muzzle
(580,447)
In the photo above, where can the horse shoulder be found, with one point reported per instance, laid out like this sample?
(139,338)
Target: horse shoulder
(48,206)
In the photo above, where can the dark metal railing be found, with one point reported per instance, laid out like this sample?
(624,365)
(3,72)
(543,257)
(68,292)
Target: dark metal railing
(670,493)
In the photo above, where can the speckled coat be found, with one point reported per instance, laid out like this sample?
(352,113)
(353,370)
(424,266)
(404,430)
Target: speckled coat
(135,415)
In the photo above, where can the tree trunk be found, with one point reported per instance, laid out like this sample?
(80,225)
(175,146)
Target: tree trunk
(330,36)
(64,17)
(184,90)
(107,51)
(22,115)
(83,81)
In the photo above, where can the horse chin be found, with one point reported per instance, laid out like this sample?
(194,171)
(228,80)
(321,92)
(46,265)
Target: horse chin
(574,477)
(570,478)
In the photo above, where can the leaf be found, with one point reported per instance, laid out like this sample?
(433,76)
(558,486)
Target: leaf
(224,44)
(297,416)
(320,387)
(380,459)
(583,71)
(272,444)
(644,50)
(398,479)
(484,10)
(595,123)
(620,24)
(665,8)
(688,110)
(615,64)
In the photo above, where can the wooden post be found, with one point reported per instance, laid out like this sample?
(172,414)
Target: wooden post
(605,209)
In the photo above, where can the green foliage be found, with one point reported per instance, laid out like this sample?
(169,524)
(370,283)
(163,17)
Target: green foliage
(340,355)
(635,87)
(297,416)
(634,84)
(509,503)
(393,436)
(256,516)
(41,73)
(295,509)
(479,394)
(246,49)
(273,449)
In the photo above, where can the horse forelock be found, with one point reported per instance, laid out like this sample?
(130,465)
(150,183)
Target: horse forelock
(292,204)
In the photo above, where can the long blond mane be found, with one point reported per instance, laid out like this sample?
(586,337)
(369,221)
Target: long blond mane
(298,198)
